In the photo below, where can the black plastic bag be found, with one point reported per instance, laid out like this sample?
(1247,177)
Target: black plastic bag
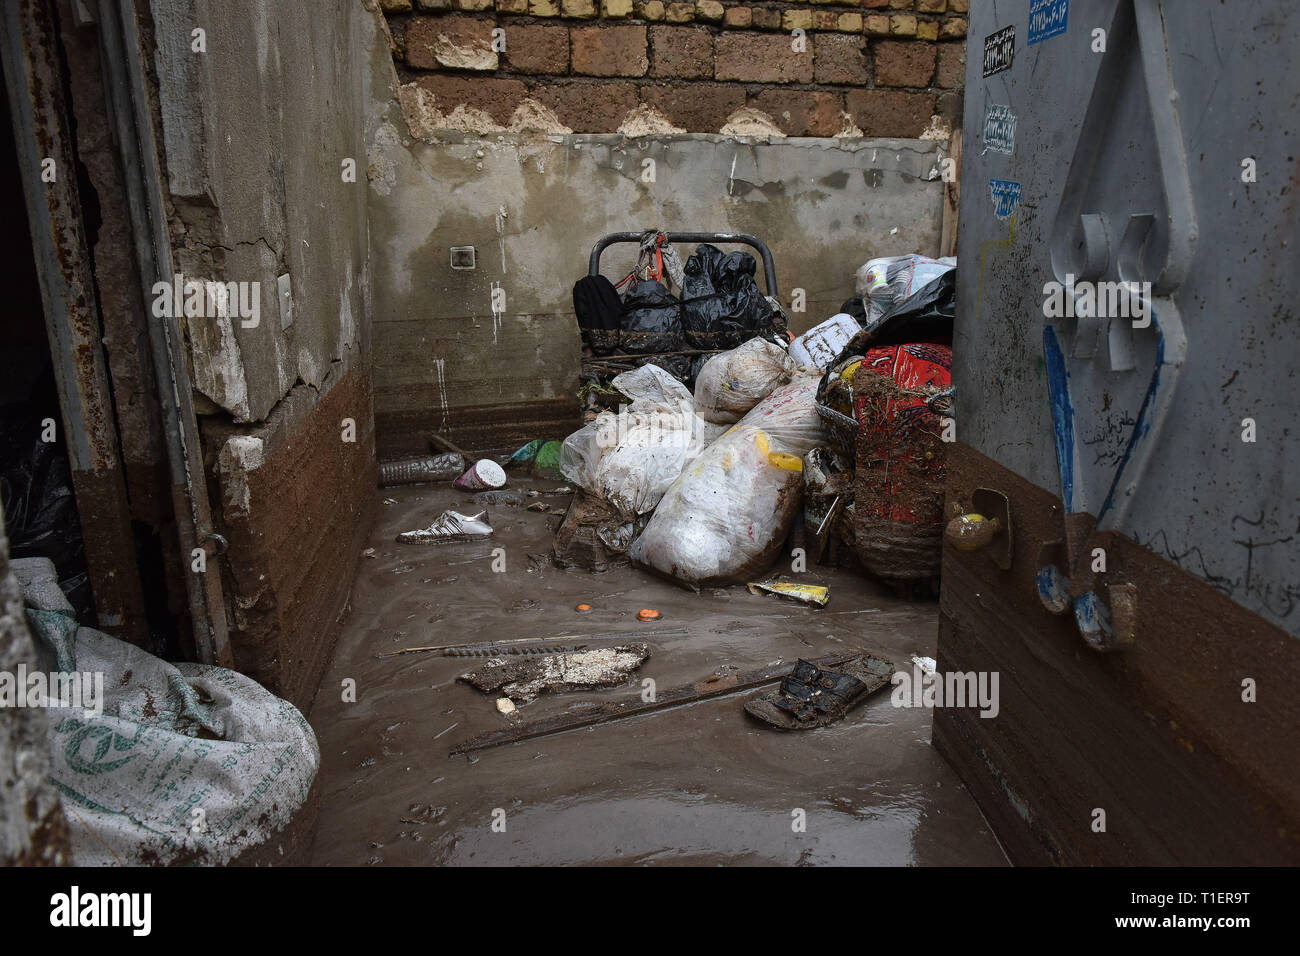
(652,319)
(599,312)
(722,306)
(856,308)
(924,316)
(40,508)
(697,366)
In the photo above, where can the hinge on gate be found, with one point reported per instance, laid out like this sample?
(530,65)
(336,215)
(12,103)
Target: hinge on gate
(1084,250)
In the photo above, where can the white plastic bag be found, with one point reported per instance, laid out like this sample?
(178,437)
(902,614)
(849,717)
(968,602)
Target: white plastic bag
(820,345)
(728,514)
(630,458)
(732,383)
(883,283)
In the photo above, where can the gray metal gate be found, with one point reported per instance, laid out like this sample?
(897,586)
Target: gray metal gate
(1110,142)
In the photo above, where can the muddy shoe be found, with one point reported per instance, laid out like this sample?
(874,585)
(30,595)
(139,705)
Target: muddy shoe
(448,527)
(812,697)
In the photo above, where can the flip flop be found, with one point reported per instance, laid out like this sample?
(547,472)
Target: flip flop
(814,697)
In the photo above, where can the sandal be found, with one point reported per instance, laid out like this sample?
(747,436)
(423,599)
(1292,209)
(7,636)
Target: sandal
(813,697)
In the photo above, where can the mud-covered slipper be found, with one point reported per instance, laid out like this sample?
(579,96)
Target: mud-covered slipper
(814,697)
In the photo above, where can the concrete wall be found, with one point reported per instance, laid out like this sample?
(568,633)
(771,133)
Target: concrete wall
(533,206)
(256,129)
(260,129)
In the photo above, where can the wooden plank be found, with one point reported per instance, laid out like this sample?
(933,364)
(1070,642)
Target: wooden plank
(951,200)
(442,443)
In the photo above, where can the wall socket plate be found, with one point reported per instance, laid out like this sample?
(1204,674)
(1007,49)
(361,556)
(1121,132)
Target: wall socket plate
(284,293)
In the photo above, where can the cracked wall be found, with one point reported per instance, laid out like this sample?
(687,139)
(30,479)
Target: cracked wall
(258,129)
(262,115)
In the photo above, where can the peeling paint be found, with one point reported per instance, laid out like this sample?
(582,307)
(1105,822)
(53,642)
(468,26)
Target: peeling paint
(475,55)
(239,455)
(218,364)
(939,130)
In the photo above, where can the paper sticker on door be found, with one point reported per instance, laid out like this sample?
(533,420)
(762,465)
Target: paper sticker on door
(1047,19)
(999,50)
(1006,196)
(1000,129)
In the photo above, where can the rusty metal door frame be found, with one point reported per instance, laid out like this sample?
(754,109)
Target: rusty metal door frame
(47,163)
(133,114)
(30,38)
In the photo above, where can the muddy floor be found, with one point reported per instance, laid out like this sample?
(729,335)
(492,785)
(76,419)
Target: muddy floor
(700,784)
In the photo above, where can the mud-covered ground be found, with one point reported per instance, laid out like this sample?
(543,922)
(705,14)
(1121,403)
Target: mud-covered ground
(699,784)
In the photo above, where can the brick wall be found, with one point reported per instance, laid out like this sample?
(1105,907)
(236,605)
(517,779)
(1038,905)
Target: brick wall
(296,515)
(861,67)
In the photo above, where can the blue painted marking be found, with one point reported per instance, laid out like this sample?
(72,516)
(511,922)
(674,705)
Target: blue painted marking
(1053,589)
(1006,195)
(1143,425)
(1047,19)
(1092,618)
(1058,389)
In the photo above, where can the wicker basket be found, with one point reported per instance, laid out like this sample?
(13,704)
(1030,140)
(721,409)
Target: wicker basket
(841,431)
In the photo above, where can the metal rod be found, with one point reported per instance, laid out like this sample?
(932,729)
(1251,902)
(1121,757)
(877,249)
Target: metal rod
(29,43)
(129,103)
(732,238)
(554,639)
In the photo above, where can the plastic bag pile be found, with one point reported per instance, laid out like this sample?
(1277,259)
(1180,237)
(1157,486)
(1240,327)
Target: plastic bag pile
(721,506)
(889,282)
(725,518)
(722,503)
(630,458)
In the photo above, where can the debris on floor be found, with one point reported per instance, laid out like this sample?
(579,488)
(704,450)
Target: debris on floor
(594,535)
(901,462)
(813,696)
(539,458)
(804,593)
(888,282)
(819,346)
(630,459)
(510,497)
(484,475)
(522,679)
(828,502)
(444,467)
(522,646)
(732,383)
(715,685)
(449,527)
